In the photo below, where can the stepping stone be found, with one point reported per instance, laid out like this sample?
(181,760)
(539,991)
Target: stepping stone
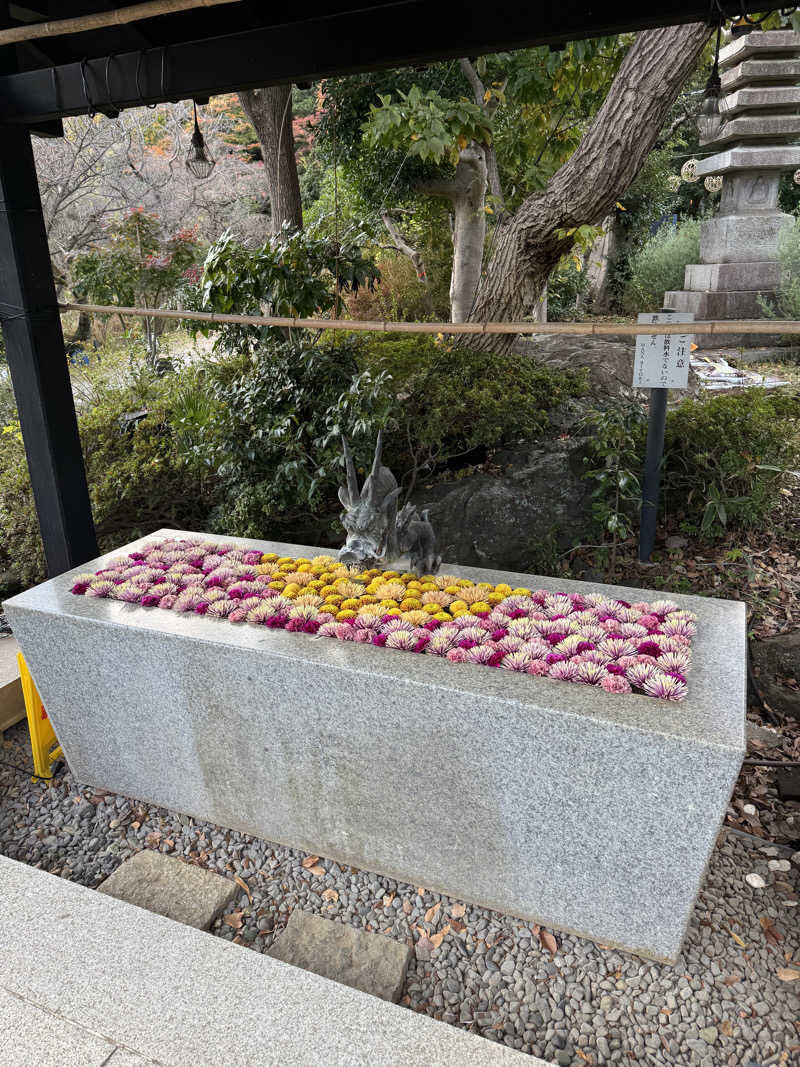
(373,963)
(12,705)
(170,887)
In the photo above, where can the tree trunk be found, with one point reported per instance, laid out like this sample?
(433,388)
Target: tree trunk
(583,190)
(270,111)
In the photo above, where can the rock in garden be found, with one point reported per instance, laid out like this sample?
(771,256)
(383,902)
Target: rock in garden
(372,963)
(755,880)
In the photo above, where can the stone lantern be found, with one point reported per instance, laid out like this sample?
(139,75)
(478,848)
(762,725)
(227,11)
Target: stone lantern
(760,73)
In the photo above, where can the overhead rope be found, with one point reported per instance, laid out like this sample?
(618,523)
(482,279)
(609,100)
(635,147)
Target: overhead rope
(719,327)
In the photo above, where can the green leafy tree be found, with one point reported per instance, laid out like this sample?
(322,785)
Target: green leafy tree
(136,266)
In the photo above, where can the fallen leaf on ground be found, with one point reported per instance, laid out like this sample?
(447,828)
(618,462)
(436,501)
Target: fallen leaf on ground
(732,979)
(317,871)
(407,907)
(457,927)
(771,932)
(387,900)
(437,939)
(548,941)
(430,914)
(737,939)
(243,885)
(330,895)
(788,974)
(310,861)
(234,920)
(726,1027)
(458,911)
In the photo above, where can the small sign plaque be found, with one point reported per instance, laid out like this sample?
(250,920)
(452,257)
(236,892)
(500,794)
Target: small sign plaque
(662,359)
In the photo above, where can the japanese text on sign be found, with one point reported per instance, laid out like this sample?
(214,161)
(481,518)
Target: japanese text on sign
(662,359)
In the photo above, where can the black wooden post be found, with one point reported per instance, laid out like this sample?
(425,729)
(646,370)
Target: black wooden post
(651,482)
(38,365)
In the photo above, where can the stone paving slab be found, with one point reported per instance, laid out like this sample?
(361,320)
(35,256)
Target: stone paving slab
(12,704)
(32,1036)
(370,962)
(170,993)
(171,888)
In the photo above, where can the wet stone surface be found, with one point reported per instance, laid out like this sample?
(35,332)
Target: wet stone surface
(723,1004)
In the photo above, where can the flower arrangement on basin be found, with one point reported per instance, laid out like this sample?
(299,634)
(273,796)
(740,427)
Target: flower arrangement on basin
(621,647)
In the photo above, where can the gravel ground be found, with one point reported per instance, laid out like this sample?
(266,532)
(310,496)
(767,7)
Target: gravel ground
(725,1002)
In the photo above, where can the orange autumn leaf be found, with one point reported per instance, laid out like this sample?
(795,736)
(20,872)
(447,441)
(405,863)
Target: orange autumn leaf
(548,941)
(330,895)
(310,861)
(234,920)
(317,871)
(436,939)
(243,885)
(430,914)
(458,911)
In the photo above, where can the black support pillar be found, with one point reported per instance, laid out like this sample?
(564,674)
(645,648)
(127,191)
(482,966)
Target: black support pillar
(35,353)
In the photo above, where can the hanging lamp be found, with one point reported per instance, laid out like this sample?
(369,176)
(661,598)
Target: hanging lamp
(198,159)
(712,110)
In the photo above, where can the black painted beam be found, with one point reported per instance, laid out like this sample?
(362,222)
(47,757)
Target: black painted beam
(381,35)
(38,365)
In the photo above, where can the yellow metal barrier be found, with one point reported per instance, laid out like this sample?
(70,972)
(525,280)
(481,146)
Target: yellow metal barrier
(44,743)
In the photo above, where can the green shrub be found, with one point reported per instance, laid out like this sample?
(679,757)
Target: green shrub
(786,304)
(660,264)
(450,400)
(137,479)
(269,425)
(565,290)
(724,457)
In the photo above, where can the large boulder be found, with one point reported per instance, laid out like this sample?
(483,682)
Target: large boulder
(776,660)
(531,507)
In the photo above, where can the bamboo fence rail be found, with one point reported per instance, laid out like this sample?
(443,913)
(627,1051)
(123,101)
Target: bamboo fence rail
(102,19)
(721,327)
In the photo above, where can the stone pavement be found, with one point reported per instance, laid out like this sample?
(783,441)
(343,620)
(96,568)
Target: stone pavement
(91,981)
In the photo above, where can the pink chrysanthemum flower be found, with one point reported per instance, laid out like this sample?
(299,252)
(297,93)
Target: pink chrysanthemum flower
(616,647)
(538,667)
(258,615)
(675,661)
(101,587)
(481,654)
(663,607)
(474,633)
(327,629)
(345,632)
(457,655)
(627,661)
(524,628)
(633,629)
(558,604)
(221,609)
(441,642)
(650,621)
(678,627)
(368,623)
(590,673)
(665,687)
(569,645)
(565,671)
(510,643)
(401,639)
(517,660)
(640,673)
(167,602)
(615,683)
(396,625)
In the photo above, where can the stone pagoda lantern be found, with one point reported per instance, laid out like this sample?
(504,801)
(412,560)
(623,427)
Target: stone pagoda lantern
(760,101)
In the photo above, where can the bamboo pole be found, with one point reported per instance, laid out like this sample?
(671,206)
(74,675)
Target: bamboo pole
(719,327)
(102,19)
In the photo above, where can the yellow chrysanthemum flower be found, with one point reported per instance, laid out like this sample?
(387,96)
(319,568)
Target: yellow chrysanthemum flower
(409,576)
(522,591)
(410,604)
(495,598)
(351,604)
(458,605)
(453,590)
(442,616)
(480,605)
(368,598)
(276,585)
(431,609)
(504,589)
(269,557)
(342,616)
(284,559)
(393,611)
(388,602)
(464,583)
(327,590)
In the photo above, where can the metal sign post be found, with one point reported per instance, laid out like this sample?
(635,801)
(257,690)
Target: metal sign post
(661,364)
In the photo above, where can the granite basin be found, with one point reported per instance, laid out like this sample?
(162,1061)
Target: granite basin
(558,803)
